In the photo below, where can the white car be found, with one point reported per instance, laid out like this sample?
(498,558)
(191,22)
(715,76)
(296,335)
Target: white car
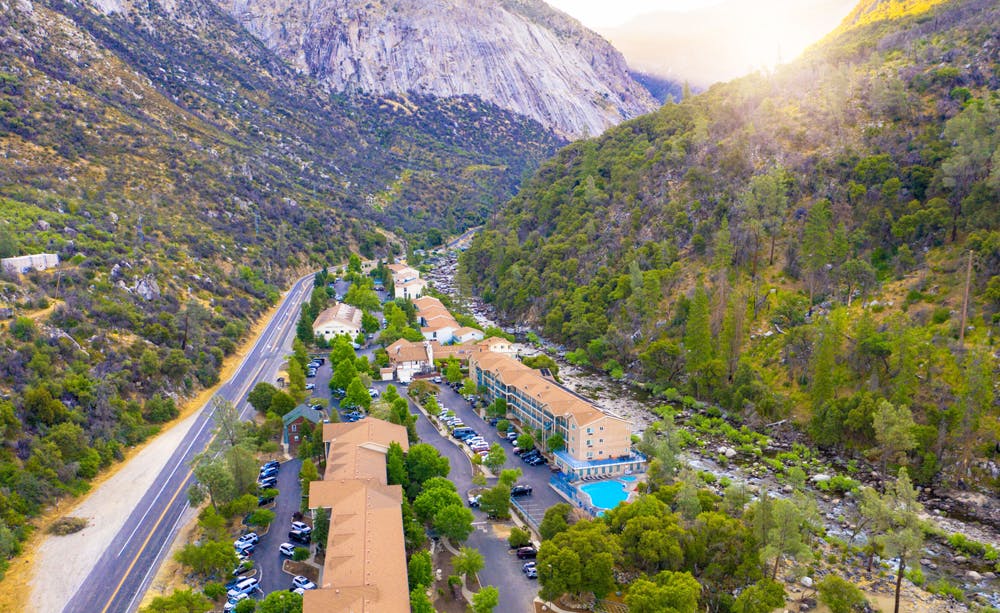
(297,525)
(286,549)
(243,587)
(310,386)
(232,602)
(302,582)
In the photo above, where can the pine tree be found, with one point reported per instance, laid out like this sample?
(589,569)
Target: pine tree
(816,244)
(698,345)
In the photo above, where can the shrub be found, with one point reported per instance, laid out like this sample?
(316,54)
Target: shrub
(214,590)
(300,553)
(840,595)
(941,587)
(519,538)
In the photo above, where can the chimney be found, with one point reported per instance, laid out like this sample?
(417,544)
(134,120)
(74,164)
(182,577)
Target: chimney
(430,352)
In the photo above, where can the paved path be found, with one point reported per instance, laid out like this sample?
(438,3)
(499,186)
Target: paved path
(123,572)
(266,557)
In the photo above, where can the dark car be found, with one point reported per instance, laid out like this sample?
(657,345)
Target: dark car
(263,500)
(527,553)
(268,482)
(300,536)
(271,464)
(520,490)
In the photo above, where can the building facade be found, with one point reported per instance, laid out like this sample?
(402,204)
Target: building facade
(338,319)
(25,263)
(597,444)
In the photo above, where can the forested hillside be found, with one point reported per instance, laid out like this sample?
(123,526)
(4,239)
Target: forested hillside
(184,175)
(791,245)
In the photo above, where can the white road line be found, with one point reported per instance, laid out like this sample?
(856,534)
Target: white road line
(165,482)
(154,565)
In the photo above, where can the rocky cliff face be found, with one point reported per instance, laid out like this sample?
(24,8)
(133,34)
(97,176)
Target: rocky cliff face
(518,54)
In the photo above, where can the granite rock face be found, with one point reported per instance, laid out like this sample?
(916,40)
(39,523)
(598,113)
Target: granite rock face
(521,55)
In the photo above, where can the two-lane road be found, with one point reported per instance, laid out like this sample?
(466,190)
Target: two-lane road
(122,574)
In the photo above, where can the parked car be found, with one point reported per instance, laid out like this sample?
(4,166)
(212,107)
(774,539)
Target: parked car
(474,500)
(250,538)
(436,379)
(245,586)
(241,568)
(272,463)
(264,500)
(298,525)
(526,566)
(531,573)
(537,461)
(268,471)
(512,436)
(373,392)
(245,549)
(300,537)
(303,582)
(232,602)
(310,386)
(286,549)
(527,553)
(268,482)
(520,490)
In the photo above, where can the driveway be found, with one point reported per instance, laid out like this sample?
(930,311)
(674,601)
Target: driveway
(502,569)
(266,557)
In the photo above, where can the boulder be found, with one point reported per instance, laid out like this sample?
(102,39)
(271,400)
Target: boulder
(973,576)
(819,478)
(806,581)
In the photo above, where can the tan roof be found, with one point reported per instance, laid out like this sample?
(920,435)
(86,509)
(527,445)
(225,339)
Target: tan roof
(493,341)
(339,312)
(432,312)
(365,566)
(412,352)
(467,330)
(427,301)
(560,401)
(371,433)
(355,462)
(413,282)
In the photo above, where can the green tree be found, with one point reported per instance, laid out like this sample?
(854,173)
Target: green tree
(210,559)
(304,327)
(518,537)
(420,570)
(495,502)
(894,427)
(181,601)
(345,372)
(281,403)
(762,597)
(468,388)
(395,465)
(555,520)
(468,562)
(699,352)
(816,245)
(357,395)
(213,480)
(787,532)
(296,379)
(556,442)
(839,594)
(437,494)
(281,601)
(975,140)
(580,559)
(321,527)
(904,537)
(525,441)
(453,372)
(495,458)
(668,592)
(485,600)
(261,517)
(454,522)
(307,474)
(419,602)
(341,349)
(423,462)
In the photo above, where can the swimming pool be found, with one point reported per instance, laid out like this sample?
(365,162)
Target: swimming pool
(606,494)
(629,478)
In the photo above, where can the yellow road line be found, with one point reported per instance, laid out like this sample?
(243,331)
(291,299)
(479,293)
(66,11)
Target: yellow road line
(142,548)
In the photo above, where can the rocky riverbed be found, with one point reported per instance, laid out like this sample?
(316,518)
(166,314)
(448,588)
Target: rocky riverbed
(975,515)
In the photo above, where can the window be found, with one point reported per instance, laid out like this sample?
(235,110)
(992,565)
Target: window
(602,428)
(295,428)
(600,440)
(590,443)
(590,430)
(590,454)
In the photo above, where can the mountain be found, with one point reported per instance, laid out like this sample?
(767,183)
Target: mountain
(520,55)
(792,246)
(724,40)
(184,173)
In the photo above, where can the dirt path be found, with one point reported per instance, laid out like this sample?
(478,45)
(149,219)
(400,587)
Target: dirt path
(29,584)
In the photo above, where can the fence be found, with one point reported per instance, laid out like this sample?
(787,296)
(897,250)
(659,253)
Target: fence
(564,486)
(531,513)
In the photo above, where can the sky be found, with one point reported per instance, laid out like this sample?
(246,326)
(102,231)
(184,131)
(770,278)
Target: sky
(603,14)
(705,41)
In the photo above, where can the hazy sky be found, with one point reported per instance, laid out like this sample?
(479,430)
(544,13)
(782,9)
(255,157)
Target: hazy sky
(704,41)
(600,14)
